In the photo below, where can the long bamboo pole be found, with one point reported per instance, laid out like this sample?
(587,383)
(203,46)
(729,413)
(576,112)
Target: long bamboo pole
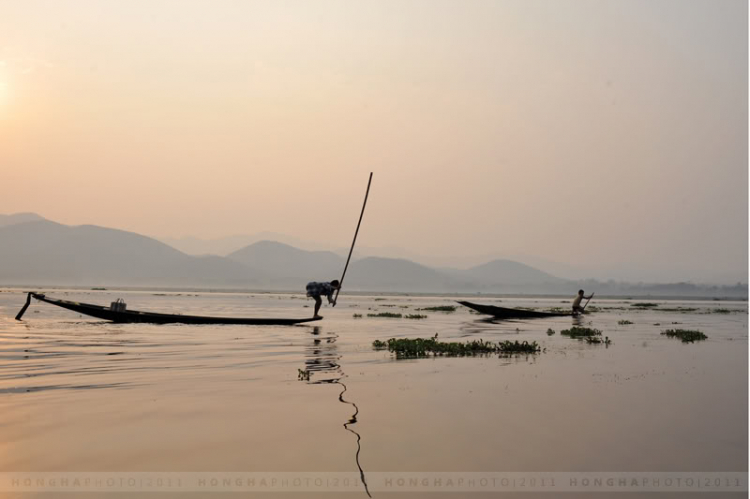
(351,250)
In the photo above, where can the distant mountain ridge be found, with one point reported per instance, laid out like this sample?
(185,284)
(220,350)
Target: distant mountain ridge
(18,218)
(46,252)
(41,252)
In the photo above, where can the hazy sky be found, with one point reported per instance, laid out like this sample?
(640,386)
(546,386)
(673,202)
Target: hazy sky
(606,132)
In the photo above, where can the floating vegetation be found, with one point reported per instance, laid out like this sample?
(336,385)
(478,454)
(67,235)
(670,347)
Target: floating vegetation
(686,335)
(304,375)
(415,316)
(597,340)
(624,322)
(442,308)
(644,305)
(98,289)
(678,309)
(578,332)
(519,347)
(379,299)
(424,347)
(357,316)
(550,332)
(594,308)
(721,311)
(390,315)
(558,310)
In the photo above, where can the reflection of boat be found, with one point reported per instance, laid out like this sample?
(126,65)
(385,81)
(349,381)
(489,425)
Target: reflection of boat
(323,363)
(511,313)
(117,312)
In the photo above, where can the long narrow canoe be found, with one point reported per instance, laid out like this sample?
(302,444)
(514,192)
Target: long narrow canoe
(511,313)
(127,316)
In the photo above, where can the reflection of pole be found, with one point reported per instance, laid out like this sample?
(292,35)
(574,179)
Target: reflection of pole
(353,420)
(324,360)
(341,281)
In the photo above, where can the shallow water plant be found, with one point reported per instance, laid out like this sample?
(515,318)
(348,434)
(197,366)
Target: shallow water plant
(578,332)
(624,322)
(415,316)
(386,314)
(597,340)
(357,316)
(424,347)
(644,305)
(519,347)
(550,332)
(441,308)
(686,335)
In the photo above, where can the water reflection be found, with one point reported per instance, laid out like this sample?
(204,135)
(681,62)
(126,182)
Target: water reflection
(322,365)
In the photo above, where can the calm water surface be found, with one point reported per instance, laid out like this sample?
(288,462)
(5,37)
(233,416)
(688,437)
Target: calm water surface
(78,394)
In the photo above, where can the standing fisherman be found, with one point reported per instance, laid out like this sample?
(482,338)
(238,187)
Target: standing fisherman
(317,289)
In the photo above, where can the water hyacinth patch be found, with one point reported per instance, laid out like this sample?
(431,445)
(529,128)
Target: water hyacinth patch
(386,314)
(624,322)
(644,305)
(686,335)
(597,340)
(578,333)
(550,332)
(424,347)
(415,316)
(442,308)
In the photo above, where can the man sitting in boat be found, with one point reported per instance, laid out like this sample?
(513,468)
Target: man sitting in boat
(577,308)
(317,289)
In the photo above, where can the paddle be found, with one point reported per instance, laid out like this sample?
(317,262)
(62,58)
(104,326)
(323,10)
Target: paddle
(341,281)
(23,310)
(587,302)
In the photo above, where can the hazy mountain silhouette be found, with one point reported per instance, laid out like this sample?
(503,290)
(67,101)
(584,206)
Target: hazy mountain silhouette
(395,274)
(287,265)
(46,252)
(42,252)
(506,272)
(18,218)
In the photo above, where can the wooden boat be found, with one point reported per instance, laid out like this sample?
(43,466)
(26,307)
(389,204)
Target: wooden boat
(117,313)
(511,313)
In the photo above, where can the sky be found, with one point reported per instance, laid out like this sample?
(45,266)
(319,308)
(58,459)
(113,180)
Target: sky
(607,135)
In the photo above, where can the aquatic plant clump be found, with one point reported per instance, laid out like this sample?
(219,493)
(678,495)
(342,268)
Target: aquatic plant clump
(686,335)
(357,316)
(386,314)
(415,316)
(624,322)
(424,347)
(442,308)
(644,305)
(550,332)
(578,333)
(597,340)
(519,347)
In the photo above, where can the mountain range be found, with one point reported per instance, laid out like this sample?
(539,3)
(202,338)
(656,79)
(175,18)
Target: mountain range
(35,251)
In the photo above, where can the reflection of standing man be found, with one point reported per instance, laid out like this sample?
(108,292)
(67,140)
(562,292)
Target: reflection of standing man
(577,308)
(317,289)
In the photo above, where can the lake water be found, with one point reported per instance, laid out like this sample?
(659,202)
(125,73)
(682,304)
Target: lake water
(78,395)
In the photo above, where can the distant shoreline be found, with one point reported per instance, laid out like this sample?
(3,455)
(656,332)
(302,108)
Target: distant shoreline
(180,290)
